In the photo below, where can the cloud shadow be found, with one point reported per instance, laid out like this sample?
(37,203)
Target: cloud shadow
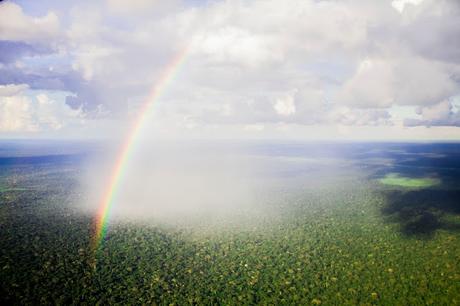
(424,211)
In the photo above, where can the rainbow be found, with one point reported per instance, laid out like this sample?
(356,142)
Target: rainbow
(159,87)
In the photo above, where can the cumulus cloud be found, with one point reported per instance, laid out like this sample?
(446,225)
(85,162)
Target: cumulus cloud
(248,63)
(405,80)
(17,26)
(360,117)
(134,6)
(12,89)
(16,115)
(22,113)
(441,114)
(399,5)
(285,106)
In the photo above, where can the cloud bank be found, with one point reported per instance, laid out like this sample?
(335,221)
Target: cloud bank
(251,66)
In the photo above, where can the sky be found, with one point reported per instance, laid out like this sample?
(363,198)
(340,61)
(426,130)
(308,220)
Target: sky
(269,69)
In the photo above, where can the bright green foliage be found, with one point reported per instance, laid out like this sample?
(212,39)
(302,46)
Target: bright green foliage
(395,179)
(327,245)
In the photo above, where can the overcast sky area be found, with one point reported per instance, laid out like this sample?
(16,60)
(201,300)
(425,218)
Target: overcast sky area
(269,69)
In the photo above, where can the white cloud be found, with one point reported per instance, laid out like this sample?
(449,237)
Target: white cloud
(12,89)
(405,80)
(399,5)
(16,115)
(437,111)
(16,26)
(235,45)
(254,127)
(348,116)
(285,106)
(441,114)
(250,63)
(22,113)
(139,7)
(130,6)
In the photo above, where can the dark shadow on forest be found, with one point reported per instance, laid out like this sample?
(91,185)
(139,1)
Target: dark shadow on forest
(422,212)
(418,211)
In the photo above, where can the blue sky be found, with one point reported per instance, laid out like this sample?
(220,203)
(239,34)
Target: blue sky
(364,70)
